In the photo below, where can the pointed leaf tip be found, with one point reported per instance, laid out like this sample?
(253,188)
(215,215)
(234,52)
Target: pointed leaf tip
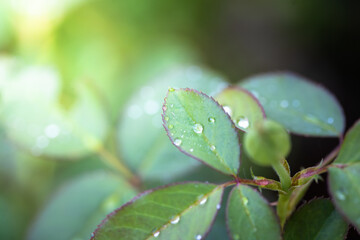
(198,126)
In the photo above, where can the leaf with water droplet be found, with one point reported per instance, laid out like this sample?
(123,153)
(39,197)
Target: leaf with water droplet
(154,211)
(344,186)
(300,105)
(245,108)
(77,208)
(350,150)
(142,141)
(249,215)
(316,220)
(215,143)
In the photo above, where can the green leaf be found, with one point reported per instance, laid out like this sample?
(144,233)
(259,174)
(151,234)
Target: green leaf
(141,138)
(317,220)
(344,186)
(243,108)
(249,216)
(299,105)
(350,151)
(34,120)
(181,211)
(76,209)
(198,126)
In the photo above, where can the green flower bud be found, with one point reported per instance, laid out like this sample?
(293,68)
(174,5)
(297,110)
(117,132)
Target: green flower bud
(267,143)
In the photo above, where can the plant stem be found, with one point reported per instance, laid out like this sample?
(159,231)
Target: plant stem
(282,207)
(283,174)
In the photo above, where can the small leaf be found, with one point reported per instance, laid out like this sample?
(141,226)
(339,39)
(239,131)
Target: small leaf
(74,211)
(181,211)
(317,220)
(141,138)
(243,108)
(344,186)
(301,106)
(350,150)
(198,126)
(250,217)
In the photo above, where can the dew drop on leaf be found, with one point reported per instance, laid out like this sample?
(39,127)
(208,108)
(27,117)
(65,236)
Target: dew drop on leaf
(211,120)
(243,122)
(284,104)
(166,119)
(175,220)
(177,142)
(171,126)
(198,128)
(212,147)
(203,201)
(340,195)
(218,206)
(156,234)
(198,237)
(191,149)
(228,110)
(330,120)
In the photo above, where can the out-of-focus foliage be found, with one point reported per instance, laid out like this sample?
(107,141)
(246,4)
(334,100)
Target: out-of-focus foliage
(73,71)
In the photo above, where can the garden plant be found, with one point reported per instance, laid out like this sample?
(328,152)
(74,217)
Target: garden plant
(235,130)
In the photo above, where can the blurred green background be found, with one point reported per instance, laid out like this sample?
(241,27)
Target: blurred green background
(82,83)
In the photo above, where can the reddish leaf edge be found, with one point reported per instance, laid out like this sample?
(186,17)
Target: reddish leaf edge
(315,84)
(146,192)
(262,197)
(188,154)
(337,206)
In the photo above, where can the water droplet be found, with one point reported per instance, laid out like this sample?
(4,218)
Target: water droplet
(330,120)
(92,234)
(340,195)
(172,105)
(228,110)
(52,131)
(171,89)
(295,103)
(198,128)
(284,104)
(175,220)
(151,107)
(203,201)
(245,201)
(191,149)
(243,122)
(212,147)
(211,119)
(156,234)
(218,206)
(177,142)
(166,118)
(171,126)
(198,237)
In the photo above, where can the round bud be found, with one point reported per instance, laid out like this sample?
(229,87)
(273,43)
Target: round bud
(267,143)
